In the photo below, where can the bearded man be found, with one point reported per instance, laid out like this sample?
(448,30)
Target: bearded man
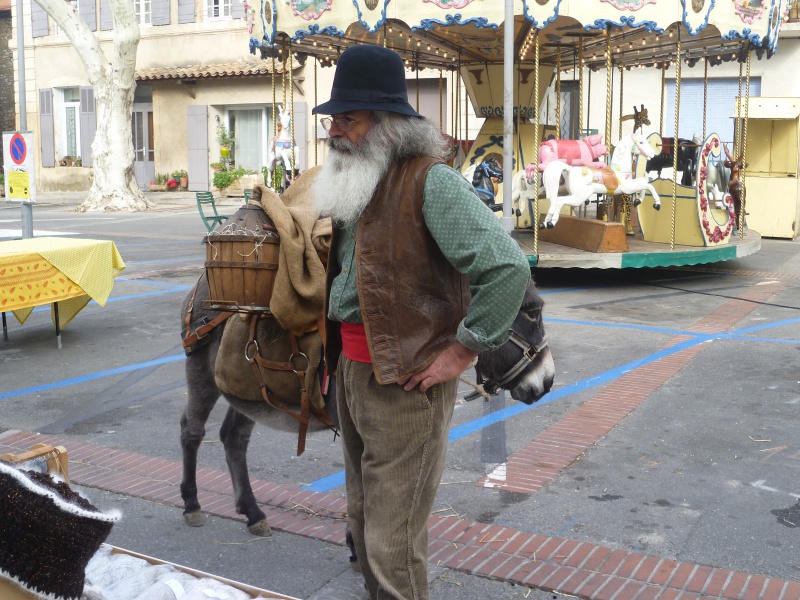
(412,244)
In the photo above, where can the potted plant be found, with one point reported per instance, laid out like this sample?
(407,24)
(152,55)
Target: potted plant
(160,183)
(181,177)
(226,140)
(224,179)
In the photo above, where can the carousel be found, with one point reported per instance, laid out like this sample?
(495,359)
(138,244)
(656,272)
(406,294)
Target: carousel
(578,178)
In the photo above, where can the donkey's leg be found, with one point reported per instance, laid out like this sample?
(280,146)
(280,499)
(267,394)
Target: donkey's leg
(202,396)
(235,436)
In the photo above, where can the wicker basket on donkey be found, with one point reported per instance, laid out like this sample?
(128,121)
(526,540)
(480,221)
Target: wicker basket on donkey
(242,260)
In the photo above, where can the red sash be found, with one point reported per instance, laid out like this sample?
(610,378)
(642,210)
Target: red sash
(354,342)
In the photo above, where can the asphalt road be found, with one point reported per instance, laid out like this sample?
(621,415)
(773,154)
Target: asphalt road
(703,470)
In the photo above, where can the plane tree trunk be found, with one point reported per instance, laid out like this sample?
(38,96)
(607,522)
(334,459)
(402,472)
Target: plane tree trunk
(114,185)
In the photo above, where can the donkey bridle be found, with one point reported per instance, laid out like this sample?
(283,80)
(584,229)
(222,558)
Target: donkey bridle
(529,353)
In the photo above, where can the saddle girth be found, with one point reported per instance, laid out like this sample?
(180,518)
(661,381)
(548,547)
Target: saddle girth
(192,336)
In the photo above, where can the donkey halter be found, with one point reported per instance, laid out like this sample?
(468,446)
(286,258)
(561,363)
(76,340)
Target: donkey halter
(529,353)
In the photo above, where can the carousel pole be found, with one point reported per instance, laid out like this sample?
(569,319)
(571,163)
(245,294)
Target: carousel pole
(705,94)
(290,60)
(663,87)
(678,62)
(743,199)
(316,117)
(580,89)
(534,214)
(441,101)
(508,114)
(609,96)
(558,95)
(273,178)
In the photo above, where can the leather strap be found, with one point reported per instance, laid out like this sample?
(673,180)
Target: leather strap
(306,407)
(190,338)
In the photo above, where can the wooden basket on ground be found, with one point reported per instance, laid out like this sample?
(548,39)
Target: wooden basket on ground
(242,260)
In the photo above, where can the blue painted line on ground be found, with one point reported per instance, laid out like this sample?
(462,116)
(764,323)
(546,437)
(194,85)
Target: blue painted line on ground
(770,325)
(164,260)
(187,242)
(154,283)
(90,377)
(326,484)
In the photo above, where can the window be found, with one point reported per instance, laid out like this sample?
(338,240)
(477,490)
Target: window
(248,127)
(72,4)
(144,11)
(218,8)
(721,106)
(71,139)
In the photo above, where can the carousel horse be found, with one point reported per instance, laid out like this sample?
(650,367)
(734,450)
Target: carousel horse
(483,177)
(583,181)
(283,151)
(523,365)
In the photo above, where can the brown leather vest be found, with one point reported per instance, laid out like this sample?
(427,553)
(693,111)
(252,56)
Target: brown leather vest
(412,299)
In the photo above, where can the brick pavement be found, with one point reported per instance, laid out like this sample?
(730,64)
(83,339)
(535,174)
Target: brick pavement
(581,569)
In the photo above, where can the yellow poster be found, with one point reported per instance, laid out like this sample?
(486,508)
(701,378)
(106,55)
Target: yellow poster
(19,184)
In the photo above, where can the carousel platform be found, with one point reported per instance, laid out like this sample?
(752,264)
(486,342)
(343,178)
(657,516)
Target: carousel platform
(639,254)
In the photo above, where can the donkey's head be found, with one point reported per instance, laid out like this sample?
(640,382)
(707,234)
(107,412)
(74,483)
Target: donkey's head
(524,364)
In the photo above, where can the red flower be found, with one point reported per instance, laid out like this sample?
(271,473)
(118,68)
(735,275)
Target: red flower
(172,183)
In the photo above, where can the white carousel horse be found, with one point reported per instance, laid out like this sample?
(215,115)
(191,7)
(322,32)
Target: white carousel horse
(283,149)
(583,181)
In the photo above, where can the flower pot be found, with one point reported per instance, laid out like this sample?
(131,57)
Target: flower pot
(224,151)
(158,187)
(184,182)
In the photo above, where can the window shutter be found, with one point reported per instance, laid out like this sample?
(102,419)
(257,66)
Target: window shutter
(186,10)
(237,9)
(197,122)
(88,126)
(301,134)
(106,20)
(40,22)
(160,12)
(46,139)
(87,10)
(722,93)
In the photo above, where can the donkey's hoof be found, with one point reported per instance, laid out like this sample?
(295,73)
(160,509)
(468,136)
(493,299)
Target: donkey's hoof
(355,565)
(636,203)
(542,225)
(194,519)
(550,224)
(261,528)
(657,206)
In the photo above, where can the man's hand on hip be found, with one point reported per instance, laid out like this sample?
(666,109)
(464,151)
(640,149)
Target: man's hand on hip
(448,365)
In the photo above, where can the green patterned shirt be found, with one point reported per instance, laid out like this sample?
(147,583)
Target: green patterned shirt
(473,240)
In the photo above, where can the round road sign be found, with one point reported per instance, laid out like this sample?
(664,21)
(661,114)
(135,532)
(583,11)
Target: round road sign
(18,149)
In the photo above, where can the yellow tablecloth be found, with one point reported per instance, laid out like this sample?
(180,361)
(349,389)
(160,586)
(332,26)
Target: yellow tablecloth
(45,270)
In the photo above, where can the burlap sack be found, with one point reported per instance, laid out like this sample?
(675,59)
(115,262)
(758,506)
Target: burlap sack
(235,376)
(48,533)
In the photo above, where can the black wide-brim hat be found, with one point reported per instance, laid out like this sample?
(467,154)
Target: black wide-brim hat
(368,78)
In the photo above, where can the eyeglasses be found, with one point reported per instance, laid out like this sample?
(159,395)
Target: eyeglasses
(342,123)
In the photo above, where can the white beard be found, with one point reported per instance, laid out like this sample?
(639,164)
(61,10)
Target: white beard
(348,179)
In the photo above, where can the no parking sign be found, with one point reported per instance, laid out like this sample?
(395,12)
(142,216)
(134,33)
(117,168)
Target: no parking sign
(18,166)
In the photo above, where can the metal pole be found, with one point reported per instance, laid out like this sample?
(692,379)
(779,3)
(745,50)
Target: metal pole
(508,114)
(26,208)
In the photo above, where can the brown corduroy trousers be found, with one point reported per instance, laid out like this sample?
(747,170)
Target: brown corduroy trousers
(395,444)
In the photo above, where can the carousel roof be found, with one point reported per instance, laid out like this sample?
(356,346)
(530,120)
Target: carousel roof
(444,34)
